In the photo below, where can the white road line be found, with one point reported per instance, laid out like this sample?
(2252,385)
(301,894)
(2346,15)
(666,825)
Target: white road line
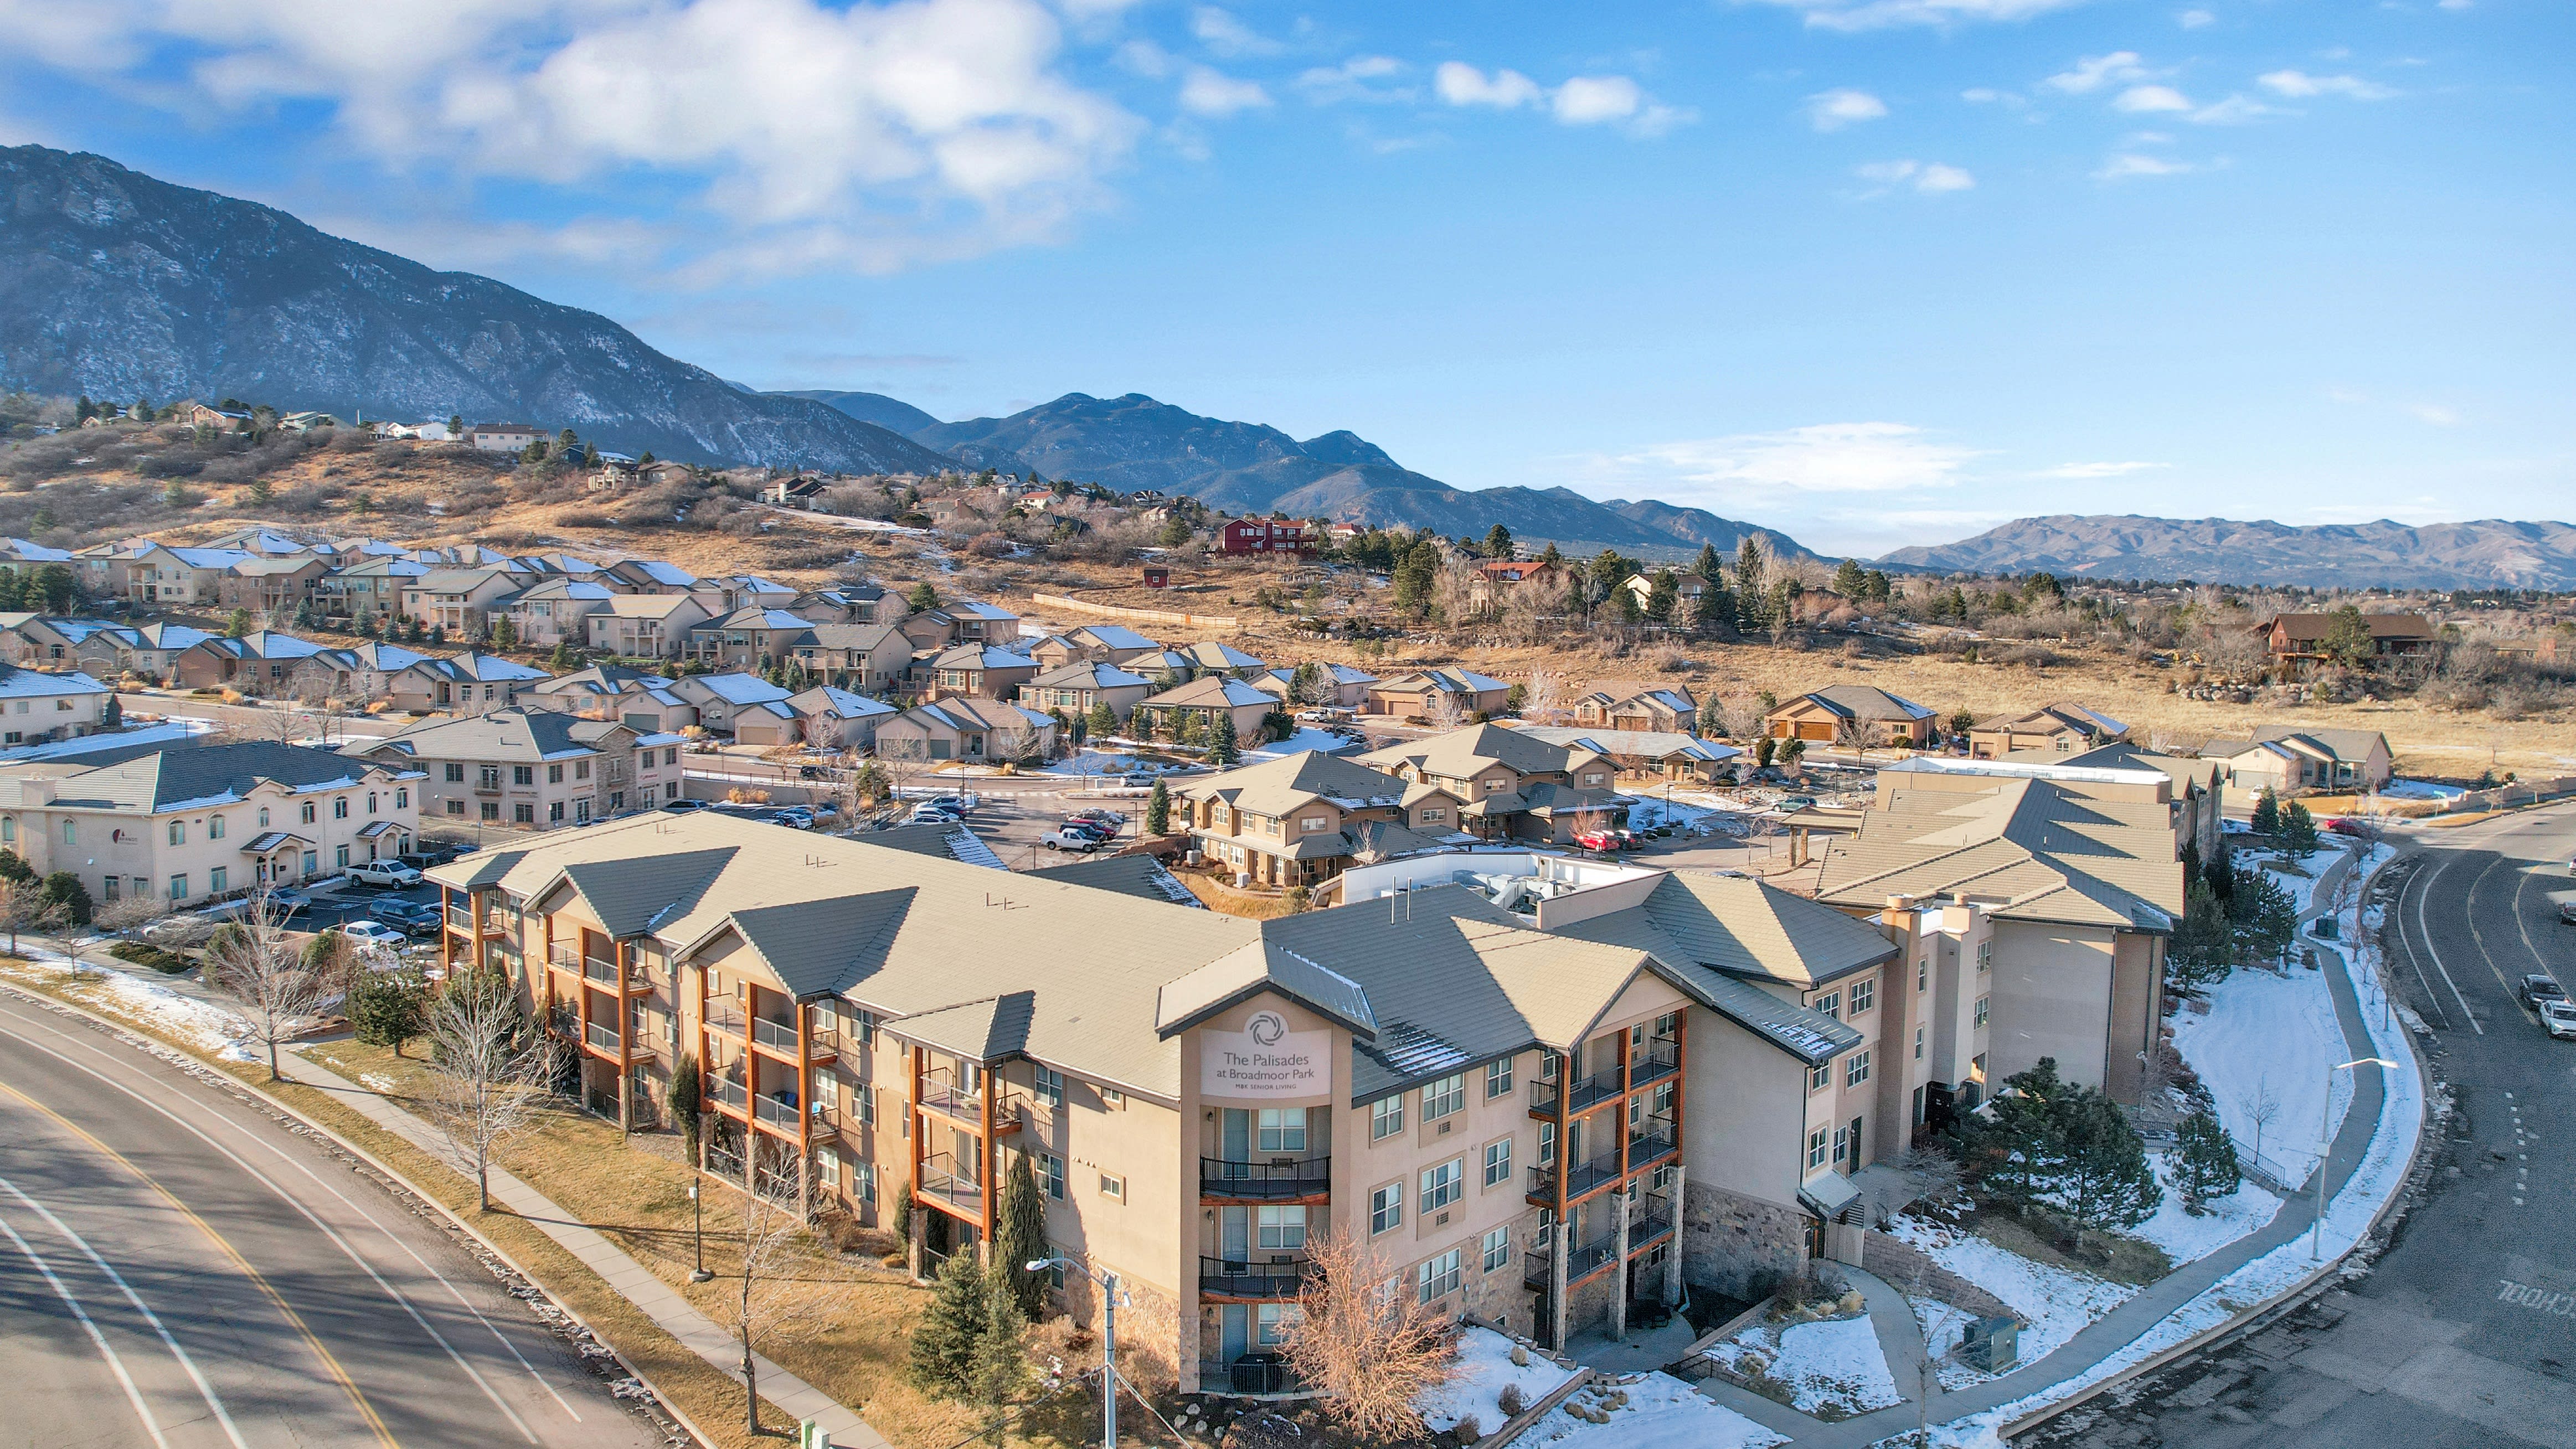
(205,1390)
(133,1395)
(315,1219)
(2424,928)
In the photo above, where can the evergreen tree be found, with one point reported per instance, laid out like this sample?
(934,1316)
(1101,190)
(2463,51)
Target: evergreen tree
(1714,609)
(1879,589)
(2011,1149)
(1415,574)
(1623,600)
(945,1338)
(682,1098)
(1000,1367)
(1019,1238)
(238,625)
(2298,829)
(1498,542)
(2102,1178)
(2204,944)
(2267,813)
(1712,717)
(1225,749)
(2207,1166)
(563,659)
(1763,749)
(1750,586)
(1663,597)
(1102,722)
(14,867)
(1158,810)
(1709,567)
(64,889)
(1849,581)
(387,1008)
(923,597)
(111,714)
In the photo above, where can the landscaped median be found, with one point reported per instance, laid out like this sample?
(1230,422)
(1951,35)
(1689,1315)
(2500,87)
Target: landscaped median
(634,1193)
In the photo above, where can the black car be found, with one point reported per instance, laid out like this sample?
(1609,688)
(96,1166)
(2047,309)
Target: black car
(418,918)
(2537,989)
(427,853)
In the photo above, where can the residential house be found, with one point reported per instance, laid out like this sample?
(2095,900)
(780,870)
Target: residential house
(1107,643)
(1666,709)
(465,683)
(860,603)
(1074,689)
(1297,821)
(1266,535)
(798,490)
(159,576)
(735,592)
(533,769)
(839,719)
(2189,789)
(2084,890)
(1858,715)
(1336,686)
(961,621)
(1203,701)
(256,663)
(371,588)
(649,705)
(1657,754)
(1426,694)
(555,612)
(591,691)
(871,658)
(647,576)
(750,638)
(2288,759)
(646,626)
(1688,585)
(979,669)
(719,697)
(2303,636)
(49,639)
(1511,784)
(1164,666)
(1215,656)
(966,727)
(2064,728)
(462,601)
(200,823)
(505,437)
(271,586)
(264,541)
(1496,579)
(37,707)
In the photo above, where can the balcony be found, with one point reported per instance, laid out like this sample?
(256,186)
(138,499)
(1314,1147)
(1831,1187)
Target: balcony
(942,1095)
(941,1184)
(724,1018)
(778,1036)
(1583,1177)
(1586,1093)
(778,1114)
(1587,1258)
(460,919)
(560,954)
(1282,1277)
(1650,1219)
(600,1037)
(1651,1139)
(1275,1180)
(1661,1058)
(728,1092)
(602,972)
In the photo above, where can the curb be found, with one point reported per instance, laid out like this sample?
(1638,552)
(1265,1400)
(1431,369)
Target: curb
(2247,1318)
(669,1405)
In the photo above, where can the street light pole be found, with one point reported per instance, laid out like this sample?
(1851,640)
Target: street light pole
(2325,1144)
(1108,1341)
(699,1274)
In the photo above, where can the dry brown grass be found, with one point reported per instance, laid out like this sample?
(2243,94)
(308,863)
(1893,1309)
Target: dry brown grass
(1226,900)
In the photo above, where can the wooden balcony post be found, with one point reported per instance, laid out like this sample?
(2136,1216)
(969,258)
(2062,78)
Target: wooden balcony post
(990,1169)
(1556,1276)
(804,1111)
(619,953)
(1619,1266)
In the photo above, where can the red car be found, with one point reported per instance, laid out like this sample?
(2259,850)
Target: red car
(2354,828)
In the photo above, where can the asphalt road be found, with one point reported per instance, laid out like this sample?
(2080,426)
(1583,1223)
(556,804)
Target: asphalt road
(177,1270)
(2464,1332)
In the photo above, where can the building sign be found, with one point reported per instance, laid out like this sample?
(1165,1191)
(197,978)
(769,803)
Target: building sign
(1265,1059)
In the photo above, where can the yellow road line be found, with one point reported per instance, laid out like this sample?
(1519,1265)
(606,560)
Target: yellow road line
(366,1410)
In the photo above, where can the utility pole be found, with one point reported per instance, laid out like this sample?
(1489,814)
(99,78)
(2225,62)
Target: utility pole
(1108,1341)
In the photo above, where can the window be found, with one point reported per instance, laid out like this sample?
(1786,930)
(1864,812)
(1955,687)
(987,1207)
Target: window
(1498,1162)
(455,773)
(1386,1117)
(1050,1087)
(491,809)
(523,774)
(219,879)
(340,808)
(1856,1070)
(1668,1026)
(1830,1004)
(1923,974)
(863,1181)
(1918,1043)
(1050,1175)
(178,832)
(340,859)
(1985,955)
(522,813)
(1271,1322)
(1547,1144)
(1498,1079)
(179,887)
(581,810)
(1386,1207)
(1280,1228)
(371,802)
(71,832)
(9,828)
(1442,1185)
(827,1168)
(581,769)
(1281,1129)
(1113,1187)
(1820,1076)
(1842,1144)
(1440,1276)
(1431,813)
(1314,822)
(554,812)
(1447,1095)
(1112,1099)
(1982,1009)
(1864,996)
(1816,1148)
(306,813)
(554,774)
(1498,1248)
(488,778)
(215,827)
(263,817)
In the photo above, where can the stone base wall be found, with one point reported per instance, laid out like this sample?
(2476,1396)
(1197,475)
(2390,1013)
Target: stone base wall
(1729,1239)
(1587,1305)
(1904,1266)
(1152,1349)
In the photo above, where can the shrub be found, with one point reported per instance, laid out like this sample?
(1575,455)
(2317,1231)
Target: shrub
(1511,1401)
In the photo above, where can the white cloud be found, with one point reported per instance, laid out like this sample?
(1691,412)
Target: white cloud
(2195,19)
(1588,100)
(2235,110)
(1220,32)
(2149,100)
(818,137)
(2097,470)
(2091,73)
(2129,163)
(1825,458)
(1356,79)
(2456,4)
(1461,84)
(2301,85)
(1930,177)
(1881,14)
(2436,414)
(1208,92)
(1145,58)
(1832,110)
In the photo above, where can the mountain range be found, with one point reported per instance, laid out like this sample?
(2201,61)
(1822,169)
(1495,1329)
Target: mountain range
(2487,553)
(118,285)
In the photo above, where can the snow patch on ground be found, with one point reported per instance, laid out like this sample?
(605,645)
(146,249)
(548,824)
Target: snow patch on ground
(1943,1325)
(2185,1238)
(204,1026)
(1662,1413)
(2273,1036)
(2054,1304)
(1835,1365)
(1484,1366)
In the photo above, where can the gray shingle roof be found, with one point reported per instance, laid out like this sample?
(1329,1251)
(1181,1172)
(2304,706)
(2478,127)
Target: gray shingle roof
(2028,849)
(992,1029)
(631,897)
(162,778)
(822,947)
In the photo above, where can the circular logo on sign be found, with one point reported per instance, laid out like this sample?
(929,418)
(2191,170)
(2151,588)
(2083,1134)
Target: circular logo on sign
(1267,1028)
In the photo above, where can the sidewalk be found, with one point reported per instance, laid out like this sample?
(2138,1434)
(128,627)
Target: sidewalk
(2123,1325)
(631,1279)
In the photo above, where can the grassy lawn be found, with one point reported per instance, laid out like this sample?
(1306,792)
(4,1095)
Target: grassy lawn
(2113,1256)
(637,1196)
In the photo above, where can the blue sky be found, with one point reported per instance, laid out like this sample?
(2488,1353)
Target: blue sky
(1873,272)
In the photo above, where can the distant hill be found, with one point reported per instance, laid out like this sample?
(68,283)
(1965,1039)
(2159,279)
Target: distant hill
(892,414)
(121,286)
(1134,442)
(2488,553)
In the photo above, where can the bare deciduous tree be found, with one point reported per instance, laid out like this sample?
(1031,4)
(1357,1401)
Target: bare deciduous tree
(128,914)
(1364,1342)
(23,907)
(2261,1105)
(1543,698)
(765,1298)
(1441,709)
(489,1069)
(280,994)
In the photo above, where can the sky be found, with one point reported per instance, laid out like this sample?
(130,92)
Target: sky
(1870,272)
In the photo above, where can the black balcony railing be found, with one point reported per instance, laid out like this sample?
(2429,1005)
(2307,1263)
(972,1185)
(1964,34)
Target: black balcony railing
(1252,1278)
(1583,1177)
(1660,1059)
(1584,1259)
(1649,1140)
(1600,1087)
(1253,1373)
(1257,1181)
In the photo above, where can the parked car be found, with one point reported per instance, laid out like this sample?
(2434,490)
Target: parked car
(1096,829)
(427,853)
(954,804)
(416,917)
(683,807)
(375,933)
(2558,1018)
(389,873)
(1074,840)
(928,815)
(792,820)
(2354,828)
(1597,840)
(1795,802)
(185,928)
(2537,989)
(2567,912)
(1112,817)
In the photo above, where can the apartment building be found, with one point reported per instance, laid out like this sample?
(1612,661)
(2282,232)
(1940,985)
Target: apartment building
(1512,783)
(1301,820)
(1519,1121)
(533,769)
(196,824)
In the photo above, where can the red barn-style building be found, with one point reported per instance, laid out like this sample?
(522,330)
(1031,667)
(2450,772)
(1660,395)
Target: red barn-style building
(1265,535)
